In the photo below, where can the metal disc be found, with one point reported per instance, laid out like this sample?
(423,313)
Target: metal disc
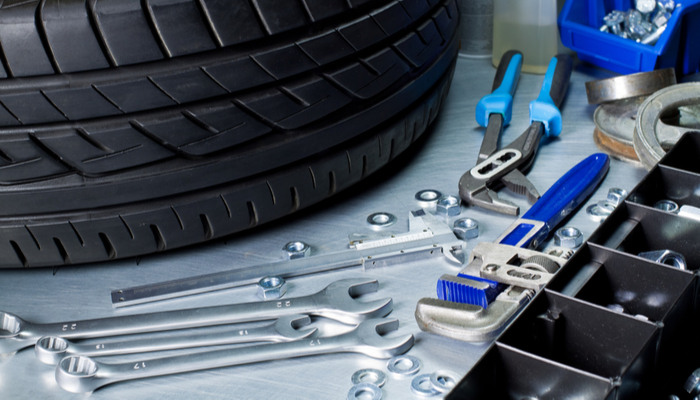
(663,118)
(628,86)
(614,127)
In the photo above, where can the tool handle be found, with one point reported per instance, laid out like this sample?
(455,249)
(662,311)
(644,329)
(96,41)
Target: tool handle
(545,108)
(500,101)
(567,193)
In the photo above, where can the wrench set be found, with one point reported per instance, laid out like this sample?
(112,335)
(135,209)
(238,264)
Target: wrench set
(611,324)
(77,371)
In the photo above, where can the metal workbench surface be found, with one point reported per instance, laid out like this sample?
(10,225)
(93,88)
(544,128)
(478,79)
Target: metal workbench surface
(437,161)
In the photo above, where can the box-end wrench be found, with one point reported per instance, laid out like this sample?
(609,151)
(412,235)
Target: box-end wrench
(80,374)
(51,349)
(337,301)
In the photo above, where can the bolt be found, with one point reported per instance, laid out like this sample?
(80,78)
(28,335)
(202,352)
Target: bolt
(296,250)
(645,6)
(614,21)
(568,237)
(272,287)
(448,206)
(466,228)
(616,196)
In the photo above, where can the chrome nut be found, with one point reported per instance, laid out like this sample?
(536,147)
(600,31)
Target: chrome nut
(616,196)
(666,257)
(568,237)
(272,287)
(466,228)
(448,206)
(296,250)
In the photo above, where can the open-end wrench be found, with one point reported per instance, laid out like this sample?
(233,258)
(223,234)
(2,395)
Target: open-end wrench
(337,301)
(51,349)
(80,374)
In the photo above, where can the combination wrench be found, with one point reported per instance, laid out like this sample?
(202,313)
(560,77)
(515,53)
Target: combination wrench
(51,349)
(336,301)
(79,374)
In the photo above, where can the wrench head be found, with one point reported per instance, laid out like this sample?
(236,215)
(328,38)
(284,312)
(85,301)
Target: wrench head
(11,337)
(338,301)
(78,374)
(475,192)
(50,349)
(288,327)
(373,342)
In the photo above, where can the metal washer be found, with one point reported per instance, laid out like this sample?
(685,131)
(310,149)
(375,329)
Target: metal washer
(397,365)
(361,390)
(422,386)
(369,375)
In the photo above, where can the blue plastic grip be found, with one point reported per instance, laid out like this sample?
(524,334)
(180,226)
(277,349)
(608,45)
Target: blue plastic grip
(500,101)
(543,108)
(567,193)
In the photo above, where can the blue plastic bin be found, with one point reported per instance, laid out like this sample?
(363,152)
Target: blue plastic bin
(678,47)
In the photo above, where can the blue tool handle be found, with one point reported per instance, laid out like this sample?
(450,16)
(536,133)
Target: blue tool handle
(500,101)
(567,193)
(545,108)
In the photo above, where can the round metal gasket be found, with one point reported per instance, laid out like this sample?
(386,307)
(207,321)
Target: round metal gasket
(443,381)
(627,86)
(403,365)
(428,198)
(669,206)
(599,211)
(381,220)
(660,121)
(369,375)
(422,386)
(363,390)
(614,127)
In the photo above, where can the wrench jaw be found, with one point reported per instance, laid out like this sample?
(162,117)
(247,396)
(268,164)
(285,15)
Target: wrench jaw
(51,349)
(373,341)
(339,301)
(13,334)
(288,328)
(475,192)
(79,374)
(468,322)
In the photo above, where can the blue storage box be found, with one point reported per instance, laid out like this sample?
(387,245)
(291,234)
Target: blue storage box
(678,47)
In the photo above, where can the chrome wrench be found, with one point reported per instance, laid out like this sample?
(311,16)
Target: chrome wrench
(80,374)
(337,301)
(51,349)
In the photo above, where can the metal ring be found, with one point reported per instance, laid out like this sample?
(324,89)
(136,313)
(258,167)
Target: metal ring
(427,198)
(443,381)
(369,375)
(652,136)
(381,220)
(626,86)
(422,386)
(597,212)
(667,205)
(404,365)
(361,390)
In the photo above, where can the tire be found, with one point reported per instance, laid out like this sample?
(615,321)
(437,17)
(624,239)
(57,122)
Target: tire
(142,154)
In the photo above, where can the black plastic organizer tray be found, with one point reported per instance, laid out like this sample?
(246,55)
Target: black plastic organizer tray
(568,344)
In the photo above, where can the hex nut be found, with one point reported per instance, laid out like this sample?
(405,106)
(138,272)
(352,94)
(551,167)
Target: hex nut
(616,195)
(466,228)
(448,206)
(296,250)
(272,287)
(568,237)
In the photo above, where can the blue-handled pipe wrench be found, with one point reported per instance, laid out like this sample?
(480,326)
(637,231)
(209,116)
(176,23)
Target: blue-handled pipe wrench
(501,277)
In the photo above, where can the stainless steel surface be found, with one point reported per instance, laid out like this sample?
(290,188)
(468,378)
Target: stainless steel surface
(51,349)
(337,301)
(372,337)
(45,295)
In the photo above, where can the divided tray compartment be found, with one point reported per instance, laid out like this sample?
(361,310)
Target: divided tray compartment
(571,342)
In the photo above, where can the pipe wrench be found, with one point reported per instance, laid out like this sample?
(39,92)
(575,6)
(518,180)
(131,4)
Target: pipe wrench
(507,165)
(501,277)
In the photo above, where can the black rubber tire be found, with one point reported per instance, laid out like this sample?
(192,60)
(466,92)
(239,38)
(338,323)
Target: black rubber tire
(85,184)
